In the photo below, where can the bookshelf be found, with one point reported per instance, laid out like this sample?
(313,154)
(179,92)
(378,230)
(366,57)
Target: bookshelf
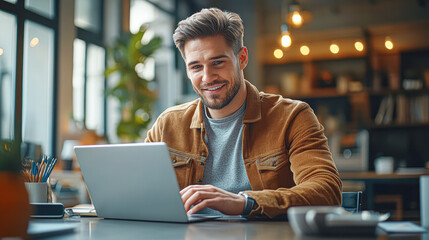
(375,98)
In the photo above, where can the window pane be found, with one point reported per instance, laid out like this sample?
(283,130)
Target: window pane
(7,74)
(95,89)
(42,7)
(78,79)
(37,102)
(140,12)
(87,14)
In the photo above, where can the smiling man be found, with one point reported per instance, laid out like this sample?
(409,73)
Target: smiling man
(237,150)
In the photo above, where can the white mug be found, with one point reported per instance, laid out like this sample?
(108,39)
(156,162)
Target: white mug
(37,192)
(384,165)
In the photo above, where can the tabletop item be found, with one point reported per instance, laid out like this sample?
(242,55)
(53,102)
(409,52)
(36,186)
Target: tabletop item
(39,172)
(333,221)
(424,201)
(48,229)
(47,210)
(401,227)
(384,165)
(133,181)
(37,192)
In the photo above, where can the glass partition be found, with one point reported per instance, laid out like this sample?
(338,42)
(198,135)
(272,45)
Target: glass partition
(95,89)
(42,7)
(87,14)
(7,74)
(37,103)
(78,80)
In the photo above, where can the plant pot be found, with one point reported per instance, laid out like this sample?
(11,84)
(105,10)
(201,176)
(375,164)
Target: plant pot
(14,205)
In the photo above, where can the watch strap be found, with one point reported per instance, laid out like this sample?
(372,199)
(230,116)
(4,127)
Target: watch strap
(248,207)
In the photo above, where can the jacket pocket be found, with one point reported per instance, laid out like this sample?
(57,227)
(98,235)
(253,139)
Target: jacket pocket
(274,170)
(182,166)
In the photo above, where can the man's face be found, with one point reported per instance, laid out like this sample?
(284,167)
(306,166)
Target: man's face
(214,70)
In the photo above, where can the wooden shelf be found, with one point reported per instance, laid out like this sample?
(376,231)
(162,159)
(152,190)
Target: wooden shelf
(399,126)
(319,93)
(352,176)
(396,92)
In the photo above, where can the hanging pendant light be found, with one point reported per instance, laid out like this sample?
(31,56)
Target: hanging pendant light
(286,40)
(296,16)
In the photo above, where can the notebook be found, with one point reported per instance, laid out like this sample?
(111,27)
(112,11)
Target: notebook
(133,181)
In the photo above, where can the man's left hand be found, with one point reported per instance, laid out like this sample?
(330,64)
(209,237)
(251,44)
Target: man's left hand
(208,196)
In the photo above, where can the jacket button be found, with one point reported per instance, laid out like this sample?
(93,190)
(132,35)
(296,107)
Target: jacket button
(204,155)
(174,161)
(200,181)
(202,164)
(274,164)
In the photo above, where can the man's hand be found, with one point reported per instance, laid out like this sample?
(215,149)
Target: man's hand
(203,196)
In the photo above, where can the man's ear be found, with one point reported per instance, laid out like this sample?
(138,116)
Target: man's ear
(243,57)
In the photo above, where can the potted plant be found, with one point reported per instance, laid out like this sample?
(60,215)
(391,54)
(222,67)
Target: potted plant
(132,90)
(14,202)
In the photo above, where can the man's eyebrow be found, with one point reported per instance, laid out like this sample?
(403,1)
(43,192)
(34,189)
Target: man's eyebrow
(213,58)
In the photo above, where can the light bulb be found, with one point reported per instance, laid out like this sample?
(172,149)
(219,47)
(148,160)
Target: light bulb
(359,46)
(334,48)
(278,53)
(286,40)
(296,19)
(388,43)
(305,50)
(34,42)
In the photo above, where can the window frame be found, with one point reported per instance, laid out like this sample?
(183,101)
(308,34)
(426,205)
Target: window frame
(22,14)
(94,38)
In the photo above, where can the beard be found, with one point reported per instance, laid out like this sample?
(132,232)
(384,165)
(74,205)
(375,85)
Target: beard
(215,101)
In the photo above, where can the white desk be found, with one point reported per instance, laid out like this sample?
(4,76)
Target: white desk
(96,228)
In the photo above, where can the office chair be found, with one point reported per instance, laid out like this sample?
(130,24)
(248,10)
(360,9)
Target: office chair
(352,201)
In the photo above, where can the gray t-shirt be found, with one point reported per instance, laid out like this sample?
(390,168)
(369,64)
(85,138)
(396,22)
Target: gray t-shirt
(224,167)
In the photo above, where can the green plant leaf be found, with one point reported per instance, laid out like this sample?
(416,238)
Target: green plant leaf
(132,90)
(10,159)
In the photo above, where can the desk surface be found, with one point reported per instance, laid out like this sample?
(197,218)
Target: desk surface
(96,228)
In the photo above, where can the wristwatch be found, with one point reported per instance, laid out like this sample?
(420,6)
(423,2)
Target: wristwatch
(249,205)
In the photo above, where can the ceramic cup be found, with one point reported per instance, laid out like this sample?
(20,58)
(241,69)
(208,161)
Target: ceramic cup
(37,192)
(384,165)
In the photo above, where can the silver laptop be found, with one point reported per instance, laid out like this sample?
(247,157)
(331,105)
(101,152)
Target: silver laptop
(133,181)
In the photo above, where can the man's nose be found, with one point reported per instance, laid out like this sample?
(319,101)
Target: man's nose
(208,75)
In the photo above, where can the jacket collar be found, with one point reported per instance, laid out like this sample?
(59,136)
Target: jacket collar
(253,108)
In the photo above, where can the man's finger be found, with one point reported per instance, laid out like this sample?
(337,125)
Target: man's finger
(208,187)
(206,203)
(196,197)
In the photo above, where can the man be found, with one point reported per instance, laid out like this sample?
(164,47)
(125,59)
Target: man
(235,149)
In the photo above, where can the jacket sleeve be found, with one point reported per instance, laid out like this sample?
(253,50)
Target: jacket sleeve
(314,172)
(155,133)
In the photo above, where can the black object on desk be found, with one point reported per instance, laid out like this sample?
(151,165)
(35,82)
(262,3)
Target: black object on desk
(47,210)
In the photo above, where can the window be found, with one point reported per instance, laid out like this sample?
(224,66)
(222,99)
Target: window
(37,86)
(42,7)
(27,71)
(88,66)
(159,16)
(7,74)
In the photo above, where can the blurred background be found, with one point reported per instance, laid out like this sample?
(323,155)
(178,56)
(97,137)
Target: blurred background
(362,65)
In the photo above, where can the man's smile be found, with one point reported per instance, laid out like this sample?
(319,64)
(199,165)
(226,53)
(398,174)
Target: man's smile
(213,90)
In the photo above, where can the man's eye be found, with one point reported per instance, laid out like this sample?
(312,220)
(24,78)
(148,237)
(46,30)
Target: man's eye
(196,67)
(217,62)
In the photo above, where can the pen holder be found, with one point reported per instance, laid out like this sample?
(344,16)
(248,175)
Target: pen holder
(37,191)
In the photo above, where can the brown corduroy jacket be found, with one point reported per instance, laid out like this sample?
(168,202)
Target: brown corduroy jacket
(285,151)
